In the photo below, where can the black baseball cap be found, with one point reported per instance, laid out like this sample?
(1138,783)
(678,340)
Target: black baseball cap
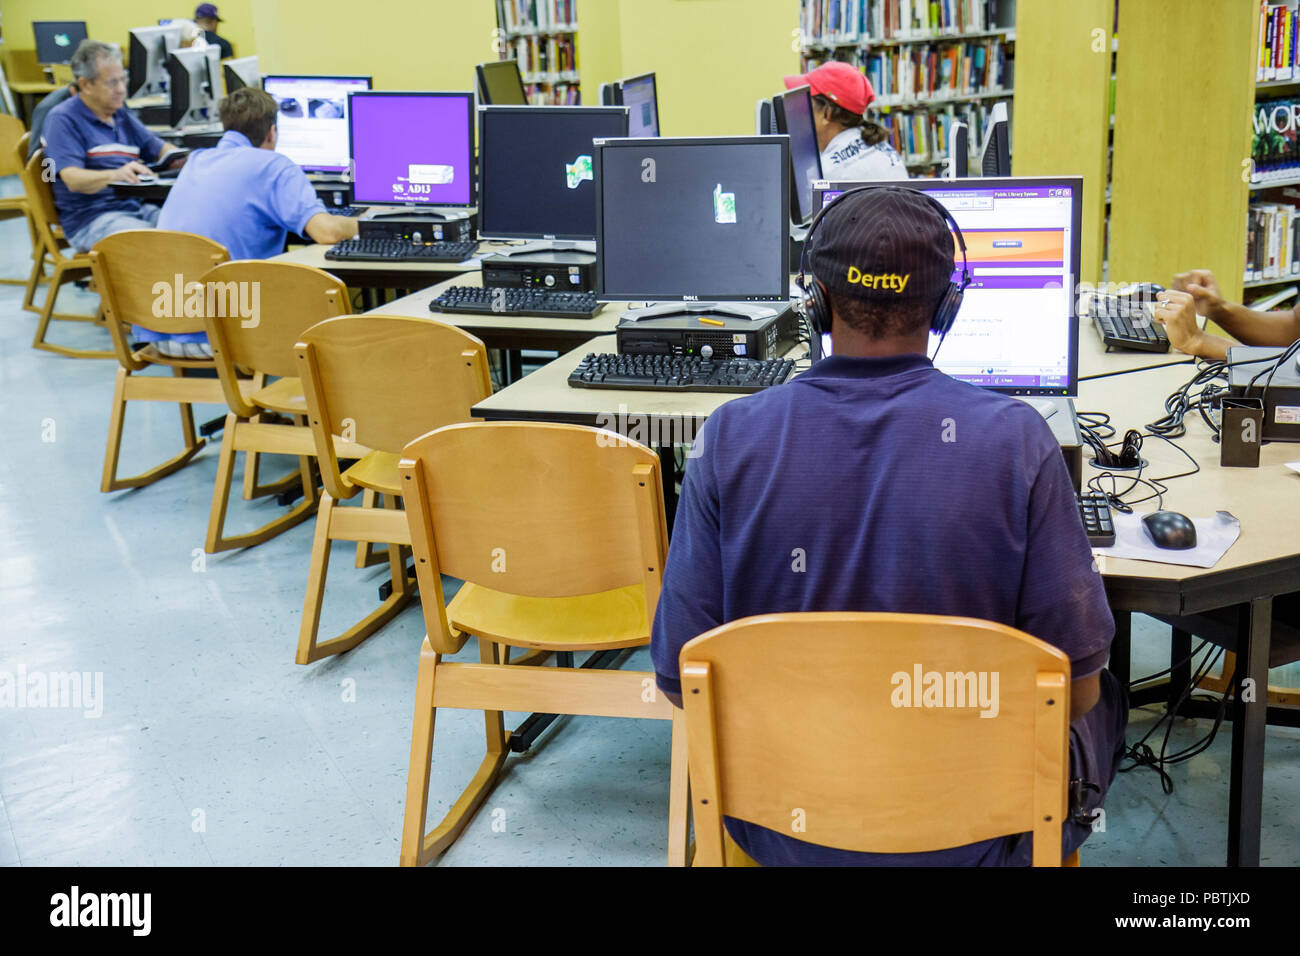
(885,243)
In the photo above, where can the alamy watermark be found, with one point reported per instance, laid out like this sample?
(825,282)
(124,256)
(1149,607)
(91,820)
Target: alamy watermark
(73,690)
(960,689)
(195,300)
(619,428)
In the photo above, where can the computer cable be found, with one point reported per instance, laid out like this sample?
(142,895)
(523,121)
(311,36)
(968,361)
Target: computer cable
(1287,355)
(1097,422)
(1204,400)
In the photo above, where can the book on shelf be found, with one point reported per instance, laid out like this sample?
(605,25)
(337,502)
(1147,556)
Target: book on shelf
(544,54)
(923,136)
(1272,242)
(1274,150)
(839,21)
(1279,42)
(1274,299)
(537,16)
(931,71)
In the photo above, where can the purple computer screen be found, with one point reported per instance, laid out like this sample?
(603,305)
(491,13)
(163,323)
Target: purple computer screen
(411,148)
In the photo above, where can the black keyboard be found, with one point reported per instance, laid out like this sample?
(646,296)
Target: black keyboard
(679,373)
(350,211)
(1127,324)
(1094,509)
(399,250)
(475,301)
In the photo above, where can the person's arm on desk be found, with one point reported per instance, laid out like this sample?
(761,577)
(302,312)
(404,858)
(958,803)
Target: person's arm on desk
(1249,326)
(1177,312)
(94,180)
(328,229)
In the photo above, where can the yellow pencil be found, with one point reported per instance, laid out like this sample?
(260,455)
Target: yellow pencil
(711,321)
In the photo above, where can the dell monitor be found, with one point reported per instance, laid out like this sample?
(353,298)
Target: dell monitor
(57,40)
(536,172)
(608,95)
(147,51)
(412,149)
(193,85)
(500,84)
(694,220)
(958,151)
(764,120)
(638,94)
(1017,331)
(312,118)
(793,114)
(240,73)
(997,143)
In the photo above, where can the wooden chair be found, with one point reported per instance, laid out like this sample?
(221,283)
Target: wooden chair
(291,298)
(376,381)
(54,247)
(129,267)
(795,724)
(13,156)
(558,533)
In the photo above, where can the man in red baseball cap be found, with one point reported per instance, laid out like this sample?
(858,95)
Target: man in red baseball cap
(853,146)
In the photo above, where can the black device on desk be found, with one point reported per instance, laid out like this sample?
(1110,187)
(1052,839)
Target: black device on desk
(1094,512)
(399,250)
(416,225)
(1272,376)
(472,300)
(679,373)
(1124,321)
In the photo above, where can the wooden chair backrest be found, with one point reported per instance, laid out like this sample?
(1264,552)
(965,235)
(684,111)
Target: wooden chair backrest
(382,380)
(813,725)
(13,145)
(533,509)
(40,198)
(152,278)
(262,310)
(21,66)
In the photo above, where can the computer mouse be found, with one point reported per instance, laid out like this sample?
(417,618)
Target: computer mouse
(1146,291)
(1170,530)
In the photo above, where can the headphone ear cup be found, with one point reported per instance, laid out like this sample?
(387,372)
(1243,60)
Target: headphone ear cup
(949,306)
(815,308)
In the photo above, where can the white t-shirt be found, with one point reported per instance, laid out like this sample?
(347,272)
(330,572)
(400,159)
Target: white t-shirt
(847,157)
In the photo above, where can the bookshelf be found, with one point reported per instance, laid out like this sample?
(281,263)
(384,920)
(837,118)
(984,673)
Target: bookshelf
(930,64)
(542,35)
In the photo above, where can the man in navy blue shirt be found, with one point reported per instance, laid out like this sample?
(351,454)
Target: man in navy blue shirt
(94,141)
(874,482)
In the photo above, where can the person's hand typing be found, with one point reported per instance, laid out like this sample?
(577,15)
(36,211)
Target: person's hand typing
(1200,284)
(131,172)
(1176,311)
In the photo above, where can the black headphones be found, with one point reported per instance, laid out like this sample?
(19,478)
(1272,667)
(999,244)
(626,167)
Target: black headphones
(812,303)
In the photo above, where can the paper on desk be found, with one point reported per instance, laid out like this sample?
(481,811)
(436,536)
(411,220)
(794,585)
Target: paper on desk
(1214,536)
(1294,465)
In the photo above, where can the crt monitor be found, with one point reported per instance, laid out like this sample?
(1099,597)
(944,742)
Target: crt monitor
(1017,331)
(194,78)
(637,93)
(412,148)
(691,219)
(536,169)
(312,118)
(147,50)
(500,84)
(57,40)
(793,114)
(997,143)
(240,73)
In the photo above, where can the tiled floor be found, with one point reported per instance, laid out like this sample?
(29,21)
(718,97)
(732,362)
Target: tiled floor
(214,747)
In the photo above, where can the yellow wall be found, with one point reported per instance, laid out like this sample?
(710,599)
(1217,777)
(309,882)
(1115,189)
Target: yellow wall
(109,20)
(713,58)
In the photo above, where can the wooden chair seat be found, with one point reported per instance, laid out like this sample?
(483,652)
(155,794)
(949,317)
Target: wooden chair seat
(589,622)
(283,395)
(151,355)
(378,472)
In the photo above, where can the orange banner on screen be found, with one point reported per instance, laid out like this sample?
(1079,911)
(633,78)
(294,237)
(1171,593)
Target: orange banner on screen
(1007,247)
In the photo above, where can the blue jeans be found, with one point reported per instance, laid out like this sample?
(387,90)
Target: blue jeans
(105,224)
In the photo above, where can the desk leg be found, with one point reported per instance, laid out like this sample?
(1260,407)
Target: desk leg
(1249,718)
(515,362)
(668,472)
(1180,647)
(1121,647)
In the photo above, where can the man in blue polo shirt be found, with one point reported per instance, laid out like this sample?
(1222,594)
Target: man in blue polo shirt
(874,482)
(93,142)
(246,196)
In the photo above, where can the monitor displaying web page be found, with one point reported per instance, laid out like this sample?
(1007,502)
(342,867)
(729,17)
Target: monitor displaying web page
(1017,330)
(312,121)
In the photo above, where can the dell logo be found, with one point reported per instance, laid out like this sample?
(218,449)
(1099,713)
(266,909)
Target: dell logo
(691,298)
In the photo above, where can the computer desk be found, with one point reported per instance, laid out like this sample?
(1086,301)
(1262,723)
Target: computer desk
(1263,563)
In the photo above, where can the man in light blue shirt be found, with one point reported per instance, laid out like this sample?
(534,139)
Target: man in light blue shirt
(246,196)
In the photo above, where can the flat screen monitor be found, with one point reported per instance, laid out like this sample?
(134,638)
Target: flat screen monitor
(500,84)
(193,85)
(240,73)
(793,114)
(764,122)
(412,148)
(147,50)
(312,118)
(536,169)
(638,94)
(1017,331)
(693,219)
(997,143)
(57,40)
(958,150)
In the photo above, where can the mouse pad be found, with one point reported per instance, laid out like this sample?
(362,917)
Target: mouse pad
(1214,536)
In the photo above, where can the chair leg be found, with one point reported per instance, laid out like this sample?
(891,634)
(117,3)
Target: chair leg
(217,540)
(110,481)
(418,847)
(48,313)
(310,648)
(679,793)
(36,278)
(367,553)
(1072,860)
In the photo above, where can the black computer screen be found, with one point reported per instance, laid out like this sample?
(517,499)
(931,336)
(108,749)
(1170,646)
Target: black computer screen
(693,218)
(57,40)
(536,169)
(794,116)
(642,102)
(500,83)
